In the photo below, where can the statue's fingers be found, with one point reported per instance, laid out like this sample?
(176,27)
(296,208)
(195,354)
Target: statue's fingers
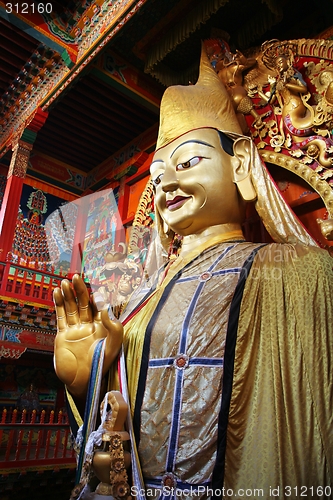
(60,309)
(82,294)
(114,338)
(71,308)
(98,303)
(113,326)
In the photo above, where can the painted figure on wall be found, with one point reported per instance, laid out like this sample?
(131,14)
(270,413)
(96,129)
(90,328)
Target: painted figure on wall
(228,354)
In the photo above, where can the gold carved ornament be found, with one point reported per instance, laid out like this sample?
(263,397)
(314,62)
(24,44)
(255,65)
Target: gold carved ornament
(20,159)
(110,460)
(291,88)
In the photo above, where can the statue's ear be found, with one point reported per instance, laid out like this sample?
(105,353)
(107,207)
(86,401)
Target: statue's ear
(241,162)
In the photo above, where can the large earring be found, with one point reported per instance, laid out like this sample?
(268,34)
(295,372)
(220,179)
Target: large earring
(246,188)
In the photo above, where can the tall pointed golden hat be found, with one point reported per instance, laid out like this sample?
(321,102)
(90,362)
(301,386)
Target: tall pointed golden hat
(203,105)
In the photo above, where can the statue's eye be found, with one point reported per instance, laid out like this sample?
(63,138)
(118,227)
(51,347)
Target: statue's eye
(188,164)
(157,180)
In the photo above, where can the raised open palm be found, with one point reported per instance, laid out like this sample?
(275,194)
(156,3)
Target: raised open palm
(80,326)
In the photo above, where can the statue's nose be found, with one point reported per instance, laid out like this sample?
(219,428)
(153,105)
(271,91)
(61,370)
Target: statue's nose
(169,180)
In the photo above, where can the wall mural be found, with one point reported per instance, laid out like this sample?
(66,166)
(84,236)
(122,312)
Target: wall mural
(81,232)
(31,242)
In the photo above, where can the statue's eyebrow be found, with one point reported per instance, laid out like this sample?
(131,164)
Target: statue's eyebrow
(153,164)
(182,144)
(191,140)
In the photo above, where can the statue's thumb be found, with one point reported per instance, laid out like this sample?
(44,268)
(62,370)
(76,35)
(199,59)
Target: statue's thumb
(113,326)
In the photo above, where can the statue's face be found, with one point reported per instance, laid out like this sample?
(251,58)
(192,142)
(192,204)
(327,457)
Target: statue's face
(281,64)
(194,183)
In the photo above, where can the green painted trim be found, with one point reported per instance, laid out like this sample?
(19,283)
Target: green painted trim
(67,60)
(29,136)
(125,90)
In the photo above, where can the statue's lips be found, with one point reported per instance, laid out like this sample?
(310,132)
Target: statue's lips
(176,202)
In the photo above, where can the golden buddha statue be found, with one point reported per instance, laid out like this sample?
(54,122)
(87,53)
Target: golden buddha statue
(228,357)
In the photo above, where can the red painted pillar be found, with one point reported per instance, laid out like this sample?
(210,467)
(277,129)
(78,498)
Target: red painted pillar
(16,174)
(12,196)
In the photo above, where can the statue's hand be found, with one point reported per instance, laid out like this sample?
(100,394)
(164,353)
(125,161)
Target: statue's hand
(80,326)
